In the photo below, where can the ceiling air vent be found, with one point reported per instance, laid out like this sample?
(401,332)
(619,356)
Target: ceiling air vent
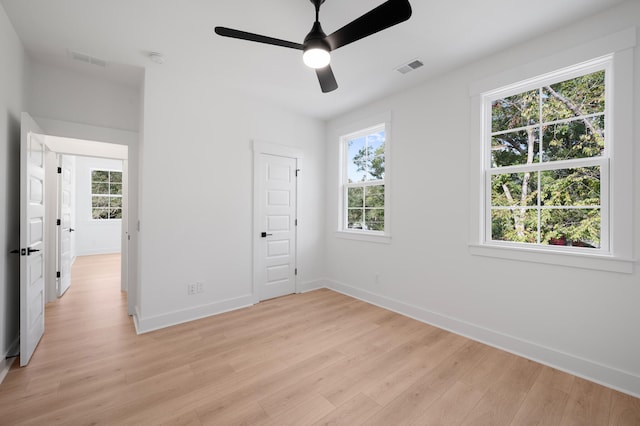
(83,57)
(410,66)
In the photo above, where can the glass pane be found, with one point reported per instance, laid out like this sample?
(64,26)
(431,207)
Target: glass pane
(571,227)
(100,201)
(376,167)
(374,196)
(517,225)
(100,213)
(115,202)
(375,156)
(374,219)
(580,138)
(99,188)
(116,188)
(99,176)
(515,111)
(115,214)
(573,98)
(515,148)
(507,189)
(571,187)
(116,176)
(356,157)
(354,196)
(355,219)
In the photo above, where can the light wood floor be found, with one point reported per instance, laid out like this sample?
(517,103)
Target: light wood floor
(316,358)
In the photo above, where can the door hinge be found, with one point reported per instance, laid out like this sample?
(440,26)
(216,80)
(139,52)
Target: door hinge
(59,170)
(295,272)
(58,274)
(297,171)
(295,223)
(58,222)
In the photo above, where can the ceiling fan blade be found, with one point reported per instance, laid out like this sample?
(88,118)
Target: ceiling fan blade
(386,15)
(327,80)
(243,35)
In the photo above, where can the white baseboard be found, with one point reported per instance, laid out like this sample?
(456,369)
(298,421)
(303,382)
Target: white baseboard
(145,325)
(607,376)
(134,317)
(312,285)
(5,364)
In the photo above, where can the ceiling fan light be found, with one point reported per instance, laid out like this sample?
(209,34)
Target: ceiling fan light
(316,58)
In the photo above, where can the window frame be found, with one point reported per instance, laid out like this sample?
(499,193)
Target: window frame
(353,131)
(619,145)
(109,195)
(605,64)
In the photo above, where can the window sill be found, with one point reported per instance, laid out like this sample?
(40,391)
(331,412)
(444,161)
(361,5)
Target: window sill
(597,262)
(363,236)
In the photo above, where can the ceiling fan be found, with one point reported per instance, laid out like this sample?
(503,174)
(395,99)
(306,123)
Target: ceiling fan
(317,45)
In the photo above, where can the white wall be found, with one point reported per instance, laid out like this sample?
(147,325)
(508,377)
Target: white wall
(93,236)
(581,320)
(196,176)
(12,103)
(67,95)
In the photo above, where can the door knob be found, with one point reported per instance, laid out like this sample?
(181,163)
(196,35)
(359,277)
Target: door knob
(71,230)
(30,250)
(265,235)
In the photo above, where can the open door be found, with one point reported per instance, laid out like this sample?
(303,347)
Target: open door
(65,196)
(32,231)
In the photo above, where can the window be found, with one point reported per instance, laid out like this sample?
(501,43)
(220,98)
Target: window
(551,154)
(547,162)
(363,181)
(106,194)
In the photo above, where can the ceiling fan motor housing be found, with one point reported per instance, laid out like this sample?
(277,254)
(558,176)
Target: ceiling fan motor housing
(316,39)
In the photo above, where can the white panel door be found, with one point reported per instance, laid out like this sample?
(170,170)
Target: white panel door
(32,227)
(65,195)
(277,237)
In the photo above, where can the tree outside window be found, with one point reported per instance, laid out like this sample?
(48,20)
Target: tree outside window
(364,186)
(548,163)
(106,194)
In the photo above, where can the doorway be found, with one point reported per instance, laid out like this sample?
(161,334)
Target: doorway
(89,212)
(39,214)
(86,156)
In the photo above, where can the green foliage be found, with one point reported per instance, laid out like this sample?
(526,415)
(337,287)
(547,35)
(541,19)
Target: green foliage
(106,190)
(371,160)
(572,126)
(365,204)
(365,207)
(100,176)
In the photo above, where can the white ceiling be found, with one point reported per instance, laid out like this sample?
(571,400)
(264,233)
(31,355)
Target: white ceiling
(443,34)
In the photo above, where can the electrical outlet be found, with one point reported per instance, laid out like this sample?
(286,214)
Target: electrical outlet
(195,288)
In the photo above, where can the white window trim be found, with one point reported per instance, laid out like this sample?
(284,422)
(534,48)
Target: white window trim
(348,132)
(91,195)
(600,64)
(620,140)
